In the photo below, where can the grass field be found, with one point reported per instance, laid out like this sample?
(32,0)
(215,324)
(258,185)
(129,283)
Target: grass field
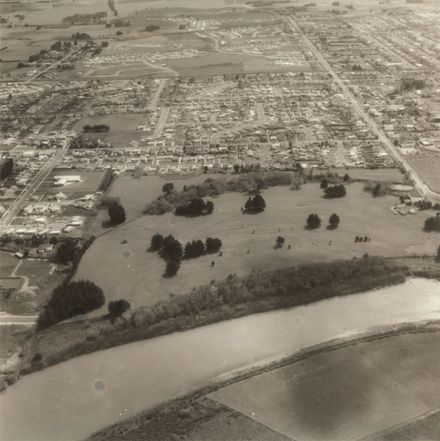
(428,167)
(7,263)
(356,392)
(137,274)
(122,128)
(89,184)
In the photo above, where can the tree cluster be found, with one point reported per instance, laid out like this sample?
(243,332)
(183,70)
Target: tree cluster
(71,299)
(198,248)
(97,128)
(247,182)
(255,204)
(335,191)
(170,249)
(407,84)
(66,252)
(195,207)
(152,28)
(360,239)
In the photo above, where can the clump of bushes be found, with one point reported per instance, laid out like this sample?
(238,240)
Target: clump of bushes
(195,207)
(335,191)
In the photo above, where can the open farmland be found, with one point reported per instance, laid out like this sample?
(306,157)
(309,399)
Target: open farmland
(348,394)
(137,274)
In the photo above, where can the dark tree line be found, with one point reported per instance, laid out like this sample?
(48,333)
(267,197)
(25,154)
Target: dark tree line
(7,168)
(198,248)
(97,128)
(172,251)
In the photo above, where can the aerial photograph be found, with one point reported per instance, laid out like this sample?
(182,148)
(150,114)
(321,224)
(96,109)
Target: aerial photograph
(219,220)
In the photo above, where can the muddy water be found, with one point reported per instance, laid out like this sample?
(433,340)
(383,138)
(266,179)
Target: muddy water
(71,400)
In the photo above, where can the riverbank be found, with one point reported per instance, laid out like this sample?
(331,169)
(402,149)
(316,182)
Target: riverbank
(72,400)
(186,415)
(219,301)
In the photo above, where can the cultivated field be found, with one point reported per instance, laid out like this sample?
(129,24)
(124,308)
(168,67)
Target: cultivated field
(137,274)
(361,391)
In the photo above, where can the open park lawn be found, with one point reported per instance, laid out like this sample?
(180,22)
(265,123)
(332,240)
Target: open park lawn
(136,274)
(366,391)
(122,128)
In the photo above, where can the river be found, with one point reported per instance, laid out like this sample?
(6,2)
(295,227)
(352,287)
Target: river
(70,401)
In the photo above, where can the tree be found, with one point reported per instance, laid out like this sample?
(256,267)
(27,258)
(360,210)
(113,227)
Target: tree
(168,188)
(334,221)
(66,252)
(209,207)
(117,308)
(432,223)
(255,204)
(71,299)
(324,183)
(279,242)
(172,268)
(213,245)
(117,213)
(377,190)
(313,222)
(156,242)
(171,249)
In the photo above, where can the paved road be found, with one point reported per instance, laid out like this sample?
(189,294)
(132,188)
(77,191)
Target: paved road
(38,179)
(161,122)
(24,320)
(420,184)
(47,69)
(157,93)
